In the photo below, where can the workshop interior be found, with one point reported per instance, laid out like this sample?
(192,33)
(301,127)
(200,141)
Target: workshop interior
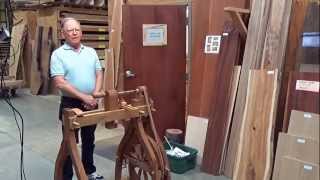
(169,89)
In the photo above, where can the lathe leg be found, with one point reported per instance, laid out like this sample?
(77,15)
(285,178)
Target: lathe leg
(122,148)
(69,147)
(61,158)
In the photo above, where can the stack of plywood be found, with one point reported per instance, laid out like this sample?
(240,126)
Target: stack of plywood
(298,151)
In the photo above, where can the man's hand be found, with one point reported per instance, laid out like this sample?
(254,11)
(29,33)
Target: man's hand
(89,102)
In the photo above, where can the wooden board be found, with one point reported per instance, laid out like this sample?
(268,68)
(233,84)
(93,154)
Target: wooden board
(109,83)
(276,35)
(222,93)
(16,46)
(196,134)
(251,60)
(161,68)
(295,169)
(295,147)
(276,38)
(45,54)
(234,89)
(49,17)
(301,100)
(299,8)
(35,77)
(115,36)
(304,124)
(254,156)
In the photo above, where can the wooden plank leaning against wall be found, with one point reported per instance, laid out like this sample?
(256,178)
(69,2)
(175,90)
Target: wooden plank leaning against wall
(219,123)
(251,60)
(273,43)
(254,156)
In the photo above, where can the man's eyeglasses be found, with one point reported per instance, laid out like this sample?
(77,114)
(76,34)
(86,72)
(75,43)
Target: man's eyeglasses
(72,30)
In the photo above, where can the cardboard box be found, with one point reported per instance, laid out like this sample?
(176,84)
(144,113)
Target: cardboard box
(294,169)
(304,124)
(303,149)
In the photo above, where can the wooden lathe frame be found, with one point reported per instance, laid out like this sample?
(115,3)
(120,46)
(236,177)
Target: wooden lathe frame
(140,148)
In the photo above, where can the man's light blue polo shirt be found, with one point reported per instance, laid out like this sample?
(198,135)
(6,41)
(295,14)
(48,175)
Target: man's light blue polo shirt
(78,68)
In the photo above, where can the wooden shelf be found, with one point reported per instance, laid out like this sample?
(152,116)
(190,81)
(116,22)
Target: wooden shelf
(237,17)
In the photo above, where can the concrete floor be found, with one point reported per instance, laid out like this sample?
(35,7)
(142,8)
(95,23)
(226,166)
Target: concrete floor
(42,139)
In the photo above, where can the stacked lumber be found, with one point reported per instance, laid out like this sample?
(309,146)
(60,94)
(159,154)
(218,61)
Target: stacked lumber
(265,49)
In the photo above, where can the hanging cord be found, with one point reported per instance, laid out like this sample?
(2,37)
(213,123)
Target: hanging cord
(16,114)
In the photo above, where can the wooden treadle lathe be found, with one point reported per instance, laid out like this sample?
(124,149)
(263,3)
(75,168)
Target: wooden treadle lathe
(140,150)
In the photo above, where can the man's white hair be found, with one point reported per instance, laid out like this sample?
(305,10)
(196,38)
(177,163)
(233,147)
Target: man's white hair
(66,19)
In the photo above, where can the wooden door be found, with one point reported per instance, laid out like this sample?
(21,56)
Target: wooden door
(161,68)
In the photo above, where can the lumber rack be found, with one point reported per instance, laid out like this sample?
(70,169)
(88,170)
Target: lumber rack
(140,151)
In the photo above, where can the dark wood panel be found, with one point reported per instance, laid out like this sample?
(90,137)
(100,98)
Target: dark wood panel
(219,111)
(310,55)
(161,68)
(208,18)
(307,101)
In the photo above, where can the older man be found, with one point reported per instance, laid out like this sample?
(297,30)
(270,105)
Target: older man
(76,72)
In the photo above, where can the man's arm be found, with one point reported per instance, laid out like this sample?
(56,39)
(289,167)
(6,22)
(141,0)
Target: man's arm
(98,88)
(63,85)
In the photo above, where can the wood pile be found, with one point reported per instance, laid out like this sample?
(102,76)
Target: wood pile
(273,44)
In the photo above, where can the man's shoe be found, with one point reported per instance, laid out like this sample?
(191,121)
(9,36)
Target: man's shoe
(95,176)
